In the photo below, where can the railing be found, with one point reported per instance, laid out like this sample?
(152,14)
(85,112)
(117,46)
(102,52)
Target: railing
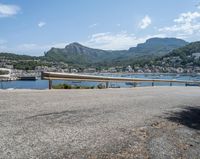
(78,77)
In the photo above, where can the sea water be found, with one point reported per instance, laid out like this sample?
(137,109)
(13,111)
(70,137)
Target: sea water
(43,84)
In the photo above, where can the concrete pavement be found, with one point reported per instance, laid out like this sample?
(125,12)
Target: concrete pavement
(107,123)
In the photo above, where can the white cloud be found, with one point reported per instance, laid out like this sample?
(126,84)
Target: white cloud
(186,25)
(145,22)
(27,47)
(93,25)
(8,10)
(198,5)
(44,47)
(187,17)
(118,41)
(36,49)
(41,24)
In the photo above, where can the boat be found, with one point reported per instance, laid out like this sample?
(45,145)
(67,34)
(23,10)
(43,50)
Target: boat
(27,78)
(129,83)
(192,84)
(114,86)
(134,84)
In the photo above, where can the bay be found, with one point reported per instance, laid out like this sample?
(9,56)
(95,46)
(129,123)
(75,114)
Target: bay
(43,84)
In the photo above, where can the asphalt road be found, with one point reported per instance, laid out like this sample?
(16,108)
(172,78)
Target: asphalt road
(107,123)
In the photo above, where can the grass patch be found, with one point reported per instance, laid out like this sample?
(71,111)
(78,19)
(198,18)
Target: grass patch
(67,86)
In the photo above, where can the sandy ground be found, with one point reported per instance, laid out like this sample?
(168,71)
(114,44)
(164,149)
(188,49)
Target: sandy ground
(150,122)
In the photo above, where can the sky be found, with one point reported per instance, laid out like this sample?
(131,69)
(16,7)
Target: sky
(34,26)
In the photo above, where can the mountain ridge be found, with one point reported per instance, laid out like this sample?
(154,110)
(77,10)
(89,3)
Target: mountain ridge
(78,53)
(186,56)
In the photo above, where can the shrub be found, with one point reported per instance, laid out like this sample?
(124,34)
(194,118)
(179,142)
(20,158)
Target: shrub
(101,86)
(66,86)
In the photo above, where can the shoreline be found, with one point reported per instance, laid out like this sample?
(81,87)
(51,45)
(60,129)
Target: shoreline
(104,89)
(133,73)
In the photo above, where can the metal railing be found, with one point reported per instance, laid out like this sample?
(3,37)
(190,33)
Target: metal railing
(80,77)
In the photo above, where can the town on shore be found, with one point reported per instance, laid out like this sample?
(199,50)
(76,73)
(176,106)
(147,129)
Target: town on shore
(76,58)
(62,67)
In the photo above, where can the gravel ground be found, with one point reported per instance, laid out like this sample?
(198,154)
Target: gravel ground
(150,122)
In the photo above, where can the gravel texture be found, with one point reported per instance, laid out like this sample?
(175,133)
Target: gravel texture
(149,122)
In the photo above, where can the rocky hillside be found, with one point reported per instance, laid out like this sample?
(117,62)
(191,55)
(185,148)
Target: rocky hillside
(76,53)
(79,55)
(158,46)
(186,56)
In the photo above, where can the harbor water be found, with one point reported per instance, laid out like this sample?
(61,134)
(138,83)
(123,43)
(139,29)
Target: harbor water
(43,84)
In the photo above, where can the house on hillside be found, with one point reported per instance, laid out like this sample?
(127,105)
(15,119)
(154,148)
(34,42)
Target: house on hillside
(196,55)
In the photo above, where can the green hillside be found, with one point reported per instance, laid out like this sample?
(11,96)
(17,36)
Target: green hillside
(187,56)
(78,55)
(75,53)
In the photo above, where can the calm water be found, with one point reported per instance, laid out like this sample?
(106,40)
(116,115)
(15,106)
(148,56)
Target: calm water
(42,84)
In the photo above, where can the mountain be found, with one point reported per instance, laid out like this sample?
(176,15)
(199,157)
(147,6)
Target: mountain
(76,53)
(188,55)
(158,46)
(187,50)
(12,56)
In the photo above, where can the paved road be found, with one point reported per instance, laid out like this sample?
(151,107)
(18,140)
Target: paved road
(108,123)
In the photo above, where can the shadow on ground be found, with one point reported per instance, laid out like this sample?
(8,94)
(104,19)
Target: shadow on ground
(188,116)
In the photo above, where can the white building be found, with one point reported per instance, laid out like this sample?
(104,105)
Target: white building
(129,68)
(196,55)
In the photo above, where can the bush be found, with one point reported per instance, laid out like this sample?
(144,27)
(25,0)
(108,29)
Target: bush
(101,86)
(66,86)
(2,72)
(62,86)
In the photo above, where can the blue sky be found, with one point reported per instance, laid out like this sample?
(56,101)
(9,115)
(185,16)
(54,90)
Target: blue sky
(34,26)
